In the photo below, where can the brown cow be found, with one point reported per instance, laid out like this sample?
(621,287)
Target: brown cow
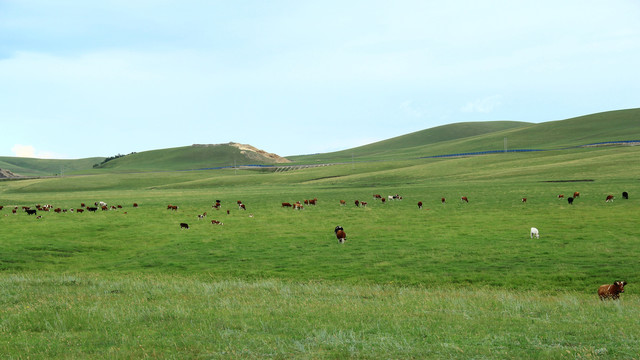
(611,291)
(286,204)
(135,205)
(79,210)
(576,194)
(524,200)
(340,234)
(609,198)
(357,202)
(343,202)
(443,200)
(560,196)
(464,198)
(419,204)
(216,222)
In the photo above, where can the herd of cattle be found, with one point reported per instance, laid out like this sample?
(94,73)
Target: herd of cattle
(607,291)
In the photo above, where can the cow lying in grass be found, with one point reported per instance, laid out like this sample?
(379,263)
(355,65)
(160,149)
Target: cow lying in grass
(611,291)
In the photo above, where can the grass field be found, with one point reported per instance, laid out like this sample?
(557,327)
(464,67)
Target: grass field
(459,280)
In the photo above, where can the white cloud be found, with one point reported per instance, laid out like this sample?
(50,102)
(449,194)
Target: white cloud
(484,105)
(29,151)
(410,109)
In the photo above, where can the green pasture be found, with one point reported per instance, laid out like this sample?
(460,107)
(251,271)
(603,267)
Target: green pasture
(454,280)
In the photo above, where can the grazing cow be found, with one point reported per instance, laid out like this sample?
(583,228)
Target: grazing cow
(570,200)
(242,207)
(102,203)
(313,201)
(92,208)
(576,194)
(609,198)
(105,208)
(340,234)
(534,232)
(419,204)
(172,207)
(82,205)
(202,216)
(625,195)
(79,210)
(184,226)
(383,200)
(135,205)
(377,196)
(343,203)
(363,203)
(216,222)
(443,200)
(357,202)
(30,211)
(38,217)
(119,206)
(298,206)
(611,291)
(14,211)
(561,196)
(57,210)
(286,204)
(524,200)
(464,198)
(1,207)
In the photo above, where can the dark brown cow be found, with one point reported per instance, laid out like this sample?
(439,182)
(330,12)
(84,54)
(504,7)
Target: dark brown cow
(357,202)
(609,198)
(1,207)
(611,291)
(419,204)
(172,207)
(216,222)
(524,200)
(79,210)
(313,201)
(340,234)
(377,196)
(286,204)
(363,203)
(560,196)
(184,226)
(135,205)
(464,198)
(443,200)
(242,207)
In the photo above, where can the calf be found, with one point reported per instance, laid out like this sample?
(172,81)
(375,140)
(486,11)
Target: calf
(524,200)
(611,291)
(340,234)
(184,226)
(534,232)
(609,198)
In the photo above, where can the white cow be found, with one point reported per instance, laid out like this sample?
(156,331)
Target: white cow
(535,232)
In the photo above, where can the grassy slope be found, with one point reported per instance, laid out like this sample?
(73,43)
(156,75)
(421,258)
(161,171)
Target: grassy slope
(474,137)
(46,167)
(457,281)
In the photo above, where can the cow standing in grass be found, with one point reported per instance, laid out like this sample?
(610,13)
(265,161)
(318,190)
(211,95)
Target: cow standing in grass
(340,234)
(611,291)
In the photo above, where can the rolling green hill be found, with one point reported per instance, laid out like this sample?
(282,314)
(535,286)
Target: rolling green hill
(46,167)
(442,140)
(487,136)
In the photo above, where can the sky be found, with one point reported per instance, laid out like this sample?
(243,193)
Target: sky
(84,78)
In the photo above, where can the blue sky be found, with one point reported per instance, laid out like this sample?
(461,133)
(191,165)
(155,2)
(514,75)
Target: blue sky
(98,78)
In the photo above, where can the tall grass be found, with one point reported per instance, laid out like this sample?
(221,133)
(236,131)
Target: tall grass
(96,316)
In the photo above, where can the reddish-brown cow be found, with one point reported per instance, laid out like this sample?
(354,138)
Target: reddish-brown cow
(611,291)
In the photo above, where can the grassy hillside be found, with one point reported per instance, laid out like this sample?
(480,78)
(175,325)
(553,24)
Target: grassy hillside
(46,167)
(455,280)
(476,137)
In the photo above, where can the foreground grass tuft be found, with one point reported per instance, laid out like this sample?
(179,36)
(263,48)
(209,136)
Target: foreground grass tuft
(80,316)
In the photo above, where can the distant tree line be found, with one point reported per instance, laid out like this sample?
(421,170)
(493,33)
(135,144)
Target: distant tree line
(106,160)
